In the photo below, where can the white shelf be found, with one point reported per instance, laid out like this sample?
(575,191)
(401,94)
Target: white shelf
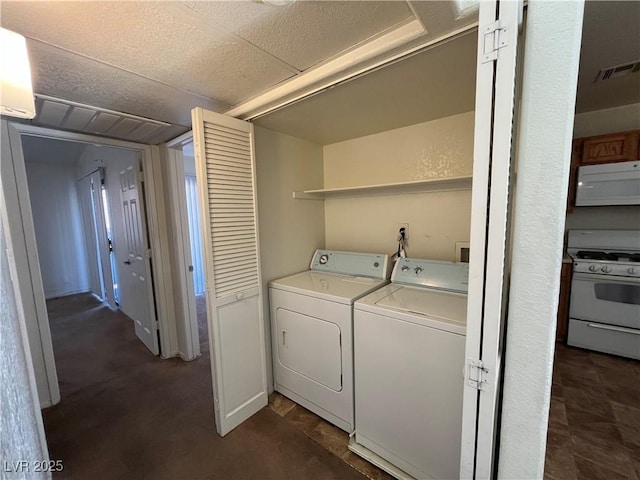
(418,186)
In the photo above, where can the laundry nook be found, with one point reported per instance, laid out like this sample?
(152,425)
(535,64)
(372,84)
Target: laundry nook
(270,239)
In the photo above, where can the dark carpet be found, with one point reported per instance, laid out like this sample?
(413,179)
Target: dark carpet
(126,414)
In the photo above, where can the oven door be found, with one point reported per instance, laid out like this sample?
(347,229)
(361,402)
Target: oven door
(606,299)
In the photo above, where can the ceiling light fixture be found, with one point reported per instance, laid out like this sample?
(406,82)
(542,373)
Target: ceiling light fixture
(16,90)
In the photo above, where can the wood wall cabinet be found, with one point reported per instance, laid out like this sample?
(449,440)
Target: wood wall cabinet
(617,147)
(563,303)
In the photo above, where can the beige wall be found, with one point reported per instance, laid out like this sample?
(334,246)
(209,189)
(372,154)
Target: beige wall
(610,120)
(601,122)
(436,149)
(290,230)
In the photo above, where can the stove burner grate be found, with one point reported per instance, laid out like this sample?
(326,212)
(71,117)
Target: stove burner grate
(609,256)
(596,255)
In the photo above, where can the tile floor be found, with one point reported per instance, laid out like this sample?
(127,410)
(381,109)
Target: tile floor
(327,435)
(594,418)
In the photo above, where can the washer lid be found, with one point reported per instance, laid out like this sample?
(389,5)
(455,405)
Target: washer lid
(329,286)
(438,309)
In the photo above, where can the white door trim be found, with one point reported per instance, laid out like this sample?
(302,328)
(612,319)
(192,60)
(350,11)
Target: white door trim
(20,316)
(23,238)
(155,218)
(177,199)
(488,275)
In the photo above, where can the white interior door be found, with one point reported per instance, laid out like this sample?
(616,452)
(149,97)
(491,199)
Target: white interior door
(83,187)
(498,34)
(102,237)
(139,303)
(225,168)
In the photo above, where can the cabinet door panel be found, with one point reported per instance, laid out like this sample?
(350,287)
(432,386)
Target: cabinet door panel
(618,147)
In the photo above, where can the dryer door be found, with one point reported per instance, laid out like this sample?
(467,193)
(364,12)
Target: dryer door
(310,347)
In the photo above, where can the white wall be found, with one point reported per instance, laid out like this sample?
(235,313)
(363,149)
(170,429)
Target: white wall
(550,70)
(58,223)
(610,120)
(290,230)
(435,149)
(601,122)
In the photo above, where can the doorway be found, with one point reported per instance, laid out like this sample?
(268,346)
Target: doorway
(76,190)
(148,228)
(187,243)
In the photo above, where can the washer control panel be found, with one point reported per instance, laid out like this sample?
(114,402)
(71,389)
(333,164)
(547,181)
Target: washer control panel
(372,265)
(437,274)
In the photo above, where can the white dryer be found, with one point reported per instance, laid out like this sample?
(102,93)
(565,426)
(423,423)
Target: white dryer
(409,343)
(312,330)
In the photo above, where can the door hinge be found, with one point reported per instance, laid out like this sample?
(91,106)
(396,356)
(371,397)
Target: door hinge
(148,253)
(140,176)
(476,374)
(494,38)
(156,323)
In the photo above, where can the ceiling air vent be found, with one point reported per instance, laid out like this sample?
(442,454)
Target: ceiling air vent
(78,117)
(618,71)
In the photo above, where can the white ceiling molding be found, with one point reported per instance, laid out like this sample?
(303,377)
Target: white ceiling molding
(379,45)
(329,73)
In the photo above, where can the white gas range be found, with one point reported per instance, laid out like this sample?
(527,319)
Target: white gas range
(604,313)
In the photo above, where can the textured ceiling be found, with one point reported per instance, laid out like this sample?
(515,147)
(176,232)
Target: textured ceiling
(610,37)
(436,83)
(159,59)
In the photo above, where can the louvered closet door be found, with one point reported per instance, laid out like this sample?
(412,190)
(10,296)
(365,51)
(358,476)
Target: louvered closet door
(225,170)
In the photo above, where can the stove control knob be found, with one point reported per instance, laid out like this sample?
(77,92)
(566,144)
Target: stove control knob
(593,268)
(605,269)
(631,270)
(417,270)
(405,268)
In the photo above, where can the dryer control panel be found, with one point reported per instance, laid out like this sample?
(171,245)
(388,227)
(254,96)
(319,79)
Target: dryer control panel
(371,265)
(436,274)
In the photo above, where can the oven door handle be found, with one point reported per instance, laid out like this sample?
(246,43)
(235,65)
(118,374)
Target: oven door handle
(593,277)
(614,329)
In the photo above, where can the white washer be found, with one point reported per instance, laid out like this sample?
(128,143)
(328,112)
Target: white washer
(312,330)
(409,343)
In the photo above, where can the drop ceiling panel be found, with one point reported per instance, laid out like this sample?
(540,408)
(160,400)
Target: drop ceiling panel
(64,75)
(102,122)
(304,33)
(433,84)
(79,118)
(144,131)
(52,113)
(125,127)
(610,36)
(150,39)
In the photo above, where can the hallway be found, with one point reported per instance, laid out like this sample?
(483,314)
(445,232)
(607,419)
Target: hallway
(127,414)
